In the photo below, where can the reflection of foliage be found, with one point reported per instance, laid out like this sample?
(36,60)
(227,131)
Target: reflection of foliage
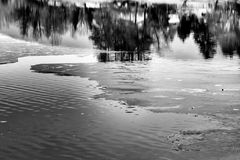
(120,36)
(206,40)
(202,35)
(222,25)
(40,18)
(237,8)
(112,33)
(230,43)
(23,15)
(158,14)
(187,25)
(4,2)
(109,31)
(123,56)
(158,20)
(130,26)
(226,27)
(55,23)
(184,29)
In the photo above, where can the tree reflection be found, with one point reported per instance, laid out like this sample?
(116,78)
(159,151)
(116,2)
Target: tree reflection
(129,26)
(205,39)
(23,15)
(121,33)
(4,2)
(123,56)
(41,19)
(202,35)
(184,28)
(229,30)
(221,25)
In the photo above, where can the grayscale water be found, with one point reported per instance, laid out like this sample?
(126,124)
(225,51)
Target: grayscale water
(119,80)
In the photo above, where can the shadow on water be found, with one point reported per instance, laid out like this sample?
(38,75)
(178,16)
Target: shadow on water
(124,26)
(123,56)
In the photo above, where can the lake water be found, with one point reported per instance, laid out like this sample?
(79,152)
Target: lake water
(119,80)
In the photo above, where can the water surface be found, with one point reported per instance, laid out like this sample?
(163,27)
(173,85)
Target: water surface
(125,80)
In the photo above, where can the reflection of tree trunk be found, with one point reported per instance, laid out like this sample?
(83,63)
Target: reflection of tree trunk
(132,56)
(144,20)
(129,10)
(136,11)
(40,28)
(216,4)
(184,3)
(155,31)
(143,30)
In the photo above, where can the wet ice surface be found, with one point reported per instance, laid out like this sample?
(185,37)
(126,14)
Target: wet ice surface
(45,116)
(160,87)
(163,84)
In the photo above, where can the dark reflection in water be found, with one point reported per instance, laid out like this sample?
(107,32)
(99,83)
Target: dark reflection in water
(202,34)
(123,56)
(124,26)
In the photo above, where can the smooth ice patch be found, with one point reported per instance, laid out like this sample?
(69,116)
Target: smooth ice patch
(160,96)
(3,122)
(178,98)
(232,90)
(163,108)
(195,90)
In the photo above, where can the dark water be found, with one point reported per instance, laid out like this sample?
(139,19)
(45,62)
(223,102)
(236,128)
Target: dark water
(58,117)
(126,80)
